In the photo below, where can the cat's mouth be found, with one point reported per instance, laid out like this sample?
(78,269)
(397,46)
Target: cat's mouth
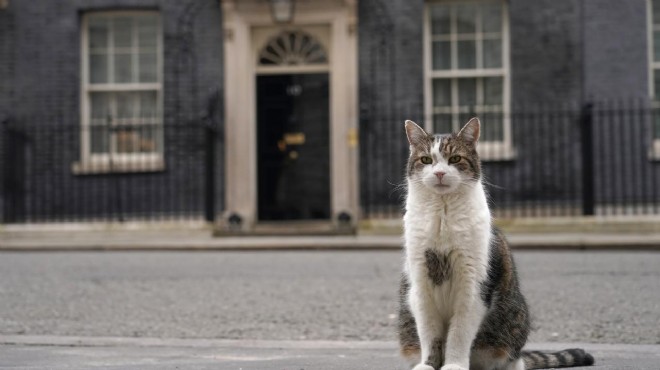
(441,186)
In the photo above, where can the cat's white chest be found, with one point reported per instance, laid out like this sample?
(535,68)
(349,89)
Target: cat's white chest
(459,232)
(447,229)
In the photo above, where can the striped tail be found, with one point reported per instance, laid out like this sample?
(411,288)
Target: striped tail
(565,358)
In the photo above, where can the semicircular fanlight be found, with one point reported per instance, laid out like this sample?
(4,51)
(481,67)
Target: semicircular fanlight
(292,48)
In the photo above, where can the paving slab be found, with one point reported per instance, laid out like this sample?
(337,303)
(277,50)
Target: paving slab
(31,239)
(72,353)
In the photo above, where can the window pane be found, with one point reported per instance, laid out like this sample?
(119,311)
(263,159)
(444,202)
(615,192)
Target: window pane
(137,139)
(100,115)
(123,32)
(492,126)
(148,139)
(127,140)
(98,138)
(466,54)
(100,107)
(441,93)
(147,33)
(148,104)
(656,46)
(123,68)
(442,123)
(441,55)
(98,33)
(493,90)
(656,11)
(656,84)
(148,67)
(491,18)
(98,68)
(126,104)
(467,92)
(492,51)
(466,16)
(440,20)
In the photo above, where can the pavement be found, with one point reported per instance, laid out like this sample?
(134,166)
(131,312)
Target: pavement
(312,309)
(62,237)
(72,353)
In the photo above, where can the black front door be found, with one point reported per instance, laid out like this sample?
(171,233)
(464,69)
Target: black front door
(293,147)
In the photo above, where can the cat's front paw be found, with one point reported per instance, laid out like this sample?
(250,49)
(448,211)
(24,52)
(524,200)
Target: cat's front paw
(452,367)
(423,367)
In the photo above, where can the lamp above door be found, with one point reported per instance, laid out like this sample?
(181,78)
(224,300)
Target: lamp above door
(282,10)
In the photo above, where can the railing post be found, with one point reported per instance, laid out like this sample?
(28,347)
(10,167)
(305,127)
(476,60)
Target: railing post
(587,145)
(209,181)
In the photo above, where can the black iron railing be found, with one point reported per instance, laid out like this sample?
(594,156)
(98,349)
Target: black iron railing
(54,172)
(598,159)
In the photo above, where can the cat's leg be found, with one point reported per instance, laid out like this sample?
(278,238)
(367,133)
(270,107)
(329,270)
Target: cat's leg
(469,311)
(428,323)
(408,338)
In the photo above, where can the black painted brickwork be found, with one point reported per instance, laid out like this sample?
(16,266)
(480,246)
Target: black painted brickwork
(563,53)
(40,74)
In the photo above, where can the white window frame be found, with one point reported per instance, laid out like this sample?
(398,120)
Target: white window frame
(653,66)
(112,161)
(488,150)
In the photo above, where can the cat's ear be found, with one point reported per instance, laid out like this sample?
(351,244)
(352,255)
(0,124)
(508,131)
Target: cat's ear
(416,135)
(470,132)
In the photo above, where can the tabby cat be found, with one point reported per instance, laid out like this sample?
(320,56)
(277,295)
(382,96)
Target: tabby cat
(460,302)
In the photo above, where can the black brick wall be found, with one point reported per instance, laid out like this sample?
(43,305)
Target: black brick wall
(545,51)
(7,72)
(40,60)
(391,73)
(616,58)
(563,53)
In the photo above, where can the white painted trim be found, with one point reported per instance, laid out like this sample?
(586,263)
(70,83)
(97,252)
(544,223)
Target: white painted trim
(240,183)
(262,70)
(90,162)
(428,66)
(146,162)
(509,148)
(653,66)
(241,19)
(295,49)
(493,150)
(84,96)
(124,87)
(650,48)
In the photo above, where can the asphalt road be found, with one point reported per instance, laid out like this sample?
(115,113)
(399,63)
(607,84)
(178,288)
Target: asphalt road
(595,297)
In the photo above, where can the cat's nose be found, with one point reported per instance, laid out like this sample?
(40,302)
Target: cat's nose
(439,174)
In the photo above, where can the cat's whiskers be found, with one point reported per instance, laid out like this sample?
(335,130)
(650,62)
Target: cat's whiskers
(490,184)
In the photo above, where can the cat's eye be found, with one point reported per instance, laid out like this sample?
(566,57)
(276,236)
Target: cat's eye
(454,159)
(426,160)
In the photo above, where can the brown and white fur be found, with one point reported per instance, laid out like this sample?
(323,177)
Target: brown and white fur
(460,303)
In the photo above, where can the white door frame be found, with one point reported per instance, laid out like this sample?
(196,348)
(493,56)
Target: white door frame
(240,19)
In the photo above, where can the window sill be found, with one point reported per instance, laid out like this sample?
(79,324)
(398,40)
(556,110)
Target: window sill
(93,167)
(654,153)
(491,152)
